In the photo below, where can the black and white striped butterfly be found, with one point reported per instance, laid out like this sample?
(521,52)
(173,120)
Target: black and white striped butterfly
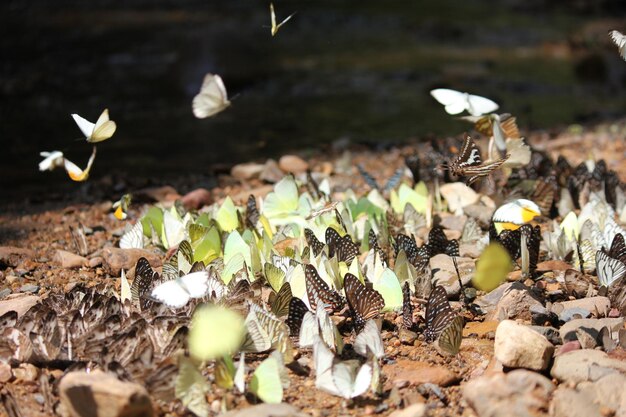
(145,280)
(342,247)
(252,212)
(418,257)
(365,303)
(297,310)
(439,314)
(313,242)
(618,248)
(468,163)
(372,240)
(530,238)
(609,269)
(389,185)
(318,289)
(407,307)
(438,243)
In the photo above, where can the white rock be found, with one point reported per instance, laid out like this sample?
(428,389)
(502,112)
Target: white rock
(413,410)
(458,196)
(517,346)
(568,402)
(246,171)
(445,274)
(584,365)
(592,326)
(600,304)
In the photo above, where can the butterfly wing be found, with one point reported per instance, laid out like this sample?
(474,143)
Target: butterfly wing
(297,310)
(279,302)
(103,129)
(171,293)
(195,284)
(342,247)
(313,242)
(84,125)
(618,248)
(480,105)
(369,341)
(608,269)
(212,97)
(449,341)
(454,101)
(365,303)
(318,289)
(133,238)
(145,279)
(438,313)
(407,307)
(620,40)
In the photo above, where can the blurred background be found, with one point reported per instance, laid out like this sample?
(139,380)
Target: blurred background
(351,71)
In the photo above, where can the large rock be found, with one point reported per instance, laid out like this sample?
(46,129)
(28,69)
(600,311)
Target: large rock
(518,346)
(20,303)
(12,256)
(293,164)
(414,373)
(518,393)
(97,394)
(568,402)
(601,305)
(267,410)
(116,259)
(515,303)
(585,365)
(445,274)
(591,326)
(68,259)
(604,393)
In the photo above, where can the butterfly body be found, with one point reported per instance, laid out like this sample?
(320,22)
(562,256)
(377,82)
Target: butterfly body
(439,314)
(469,162)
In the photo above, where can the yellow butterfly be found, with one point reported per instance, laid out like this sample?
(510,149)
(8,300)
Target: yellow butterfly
(103,129)
(74,172)
(121,207)
(275,26)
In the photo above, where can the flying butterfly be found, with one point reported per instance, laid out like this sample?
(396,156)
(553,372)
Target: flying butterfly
(438,243)
(407,307)
(276,26)
(177,292)
(77,174)
(439,314)
(469,163)
(342,247)
(103,129)
(318,289)
(456,102)
(620,40)
(212,97)
(313,242)
(372,183)
(365,303)
(121,207)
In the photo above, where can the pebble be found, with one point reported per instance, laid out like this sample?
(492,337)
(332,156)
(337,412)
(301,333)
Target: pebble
(549,333)
(32,288)
(248,171)
(574,313)
(68,259)
(454,222)
(458,196)
(517,393)
(159,194)
(414,410)
(116,259)
(583,365)
(568,347)
(406,336)
(13,256)
(271,172)
(26,372)
(267,410)
(445,273)
(196,199)
(416,373)
(5,372)
(97,393)
(95,261)
(515,303)
(593,326)
(479,212)
(293,164)
(518,346)
(598,304)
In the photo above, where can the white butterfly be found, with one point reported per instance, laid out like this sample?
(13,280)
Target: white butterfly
(609,269)
(52,160)
(275,26)
(177,292)
(456,102)
(133,238)
(124,289)
(74,172)
(369,340)
(620,40)
(309,331)
(103,129)
(212,97)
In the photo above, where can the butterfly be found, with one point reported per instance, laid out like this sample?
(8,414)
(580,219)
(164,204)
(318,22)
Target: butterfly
(407,307)
(438,243)
(279,302)
(266,382)
(103,129)
(133,238)
(342,247)
(212,97)
(191,387)
(449,341)
(469,163)
(51,160)
(456,102)
(297,310)
(369,341)
(530,238)
(275,26)
(313,242)
(56,159)
(500,126)
(418,257)
(371,181)
(177,292)
(609,269)
(121,207)
(318,289)
(618,248)
(439,314)
(413,163)
(620,40)
(145,280)
(365,303)
(373,244)
(252,212)
(544,194)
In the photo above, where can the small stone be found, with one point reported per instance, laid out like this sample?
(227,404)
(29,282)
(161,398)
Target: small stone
(26,372)
(574,313)
(471,250)
(116,259)
(247,171)
(518,346)
(581,365)
(416,373)
(549,333)
(68,259)
(593,327)
(267,410)
(293,164)
(12,256)
(196,199)
(216,406)
(20,303)
(10,279)
(5,372)
(100,394)
(455,223)
(516,303)
(32,288)
(568,347)
(414,410)
(519,393)
(481,213)
(458,196)
(271,172)
(601,305)
(95,261)
(406,336)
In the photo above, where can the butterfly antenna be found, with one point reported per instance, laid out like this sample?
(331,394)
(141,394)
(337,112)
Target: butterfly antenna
(458,275)
(580,258)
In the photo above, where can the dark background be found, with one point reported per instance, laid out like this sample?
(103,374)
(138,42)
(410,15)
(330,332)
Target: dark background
(357,70)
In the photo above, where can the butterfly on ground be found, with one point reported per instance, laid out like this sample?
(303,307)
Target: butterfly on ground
(313,242)
(609,269)
(372,183)
(365,303)
(275,26)
(439,314)
(103,129)
(145,280)
(468,163)
(417,256)
(438,243)
(620,40)
(530,239)
(212,97)
(318,290)
(177,292)
(297,310)
(407,307)
(343,247)
(456,102)
(449,341)
(252,212)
